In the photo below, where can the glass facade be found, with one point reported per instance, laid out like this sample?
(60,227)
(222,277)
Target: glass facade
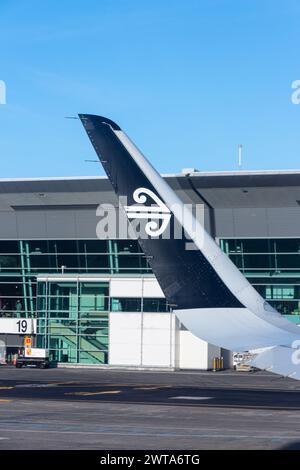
(22,261)
(273,268)
(73,320)
(72,316)
(271,265)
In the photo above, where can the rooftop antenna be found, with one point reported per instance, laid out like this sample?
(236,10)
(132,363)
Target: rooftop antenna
(240,148)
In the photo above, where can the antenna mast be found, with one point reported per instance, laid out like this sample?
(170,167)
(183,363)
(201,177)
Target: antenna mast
(240,148)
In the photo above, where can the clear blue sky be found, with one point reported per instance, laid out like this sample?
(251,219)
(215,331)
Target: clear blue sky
(188,80)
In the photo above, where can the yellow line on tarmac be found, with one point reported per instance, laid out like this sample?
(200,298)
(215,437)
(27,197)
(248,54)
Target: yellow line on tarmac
(87,394)
(6,388)
(133,385)
(88,385)
(4,400)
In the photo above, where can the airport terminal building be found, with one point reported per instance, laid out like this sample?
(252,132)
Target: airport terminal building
(96,302)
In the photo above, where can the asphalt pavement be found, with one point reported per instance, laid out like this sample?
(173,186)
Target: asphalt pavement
(112,409)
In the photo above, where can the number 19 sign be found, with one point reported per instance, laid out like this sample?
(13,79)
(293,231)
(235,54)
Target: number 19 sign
(19,326)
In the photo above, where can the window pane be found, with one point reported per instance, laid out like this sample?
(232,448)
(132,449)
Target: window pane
(8,246)
(289,245)
(62,288)
(63,246)
(89,342)
(93,297)
(256,246)
(66,354)
(94,288)
(93,357)
(94,322)
(126,304)
(94,255)
(155,305)
(258,262)
(10,263)
(93,331)
(128,257)
(93,246)
(287,262)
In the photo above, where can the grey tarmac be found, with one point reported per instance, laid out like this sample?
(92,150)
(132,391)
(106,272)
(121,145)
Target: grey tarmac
(117,409)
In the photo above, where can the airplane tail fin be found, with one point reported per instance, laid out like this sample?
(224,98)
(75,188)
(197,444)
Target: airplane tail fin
(186,277)
(207,291)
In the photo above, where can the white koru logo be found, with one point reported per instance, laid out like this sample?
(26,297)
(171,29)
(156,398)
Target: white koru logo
(158,212)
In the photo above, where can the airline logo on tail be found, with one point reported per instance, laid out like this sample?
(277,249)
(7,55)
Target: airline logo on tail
(155,213)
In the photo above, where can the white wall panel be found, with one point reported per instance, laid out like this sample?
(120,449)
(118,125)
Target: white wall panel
(158,340)
(156,355)
(146,287)
(144,340)
(157,320)
(156,336)
(194,353)
(126,287)
(151,288)
(152,340)
(124,339)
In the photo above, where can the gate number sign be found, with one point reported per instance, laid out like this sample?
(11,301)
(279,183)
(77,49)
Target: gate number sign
(22,326)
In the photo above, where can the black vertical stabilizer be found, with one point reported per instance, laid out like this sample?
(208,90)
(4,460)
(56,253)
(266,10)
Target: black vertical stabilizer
(185,276)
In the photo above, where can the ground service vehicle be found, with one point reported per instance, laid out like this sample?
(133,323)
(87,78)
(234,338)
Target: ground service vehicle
(33,357)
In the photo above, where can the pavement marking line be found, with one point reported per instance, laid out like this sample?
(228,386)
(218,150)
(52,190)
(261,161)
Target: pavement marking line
(147,388)
(4,400)
(152,387)
(88,394)
(133,385)
(34,386)
(191,398)
(6,388)
(4,438)
(65,383)
(43,385)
